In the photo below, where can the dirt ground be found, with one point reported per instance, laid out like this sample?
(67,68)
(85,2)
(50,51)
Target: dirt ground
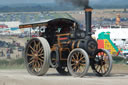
(119,76)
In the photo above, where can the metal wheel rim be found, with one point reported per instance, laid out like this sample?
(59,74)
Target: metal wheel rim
(42,62)
(35,56)
(78,62)
(81,62)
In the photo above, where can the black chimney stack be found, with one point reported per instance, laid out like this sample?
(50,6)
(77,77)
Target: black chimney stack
(88,17)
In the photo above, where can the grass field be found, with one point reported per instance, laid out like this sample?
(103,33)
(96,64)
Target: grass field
(19,63)
(12,64)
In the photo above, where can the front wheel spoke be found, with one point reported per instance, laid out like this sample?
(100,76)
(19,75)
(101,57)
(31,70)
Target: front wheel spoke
(100,70)
(80,69)
(82,58)
(97,67)
(74,68)
(83,61)
(73,64)
(81,55)
(105,59)
(77,56)
(104,68)
(53,59)
(73,58)
(82,64)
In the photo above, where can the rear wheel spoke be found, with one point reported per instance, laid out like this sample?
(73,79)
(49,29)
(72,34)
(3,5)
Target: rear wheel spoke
(82,64)
(32,48)
(40,49)
(40,54)
(34,44)
(35,60)
(31,62)
(30,55)
(41,60)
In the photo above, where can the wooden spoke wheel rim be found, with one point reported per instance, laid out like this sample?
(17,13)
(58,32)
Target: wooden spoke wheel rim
(37,56)
(102,63)
(78,62)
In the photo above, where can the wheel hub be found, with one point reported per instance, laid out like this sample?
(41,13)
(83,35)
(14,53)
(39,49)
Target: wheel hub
(36,57)
(77,62)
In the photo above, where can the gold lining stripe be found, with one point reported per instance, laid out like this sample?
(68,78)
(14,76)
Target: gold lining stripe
(73,45)
(32,25)
(78,44)
(89,10)
(63,34)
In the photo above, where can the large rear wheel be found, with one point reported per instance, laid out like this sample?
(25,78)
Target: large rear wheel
(37,54)
(102,63)
(78,62)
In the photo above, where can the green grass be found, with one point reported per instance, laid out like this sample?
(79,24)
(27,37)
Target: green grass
(12,67)
(118,60)
(19,63)
(58,15)
(12,64)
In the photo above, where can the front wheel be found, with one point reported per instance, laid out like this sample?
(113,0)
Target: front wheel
(102,63)
(78,62)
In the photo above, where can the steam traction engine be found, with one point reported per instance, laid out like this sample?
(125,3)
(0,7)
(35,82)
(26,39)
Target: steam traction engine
(65,46)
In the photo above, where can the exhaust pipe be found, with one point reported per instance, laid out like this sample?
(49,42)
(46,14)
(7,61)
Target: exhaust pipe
(88,17)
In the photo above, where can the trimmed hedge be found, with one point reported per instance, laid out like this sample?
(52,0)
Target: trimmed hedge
(118,60)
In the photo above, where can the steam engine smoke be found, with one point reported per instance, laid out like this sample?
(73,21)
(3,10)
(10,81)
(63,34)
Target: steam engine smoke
(79,3)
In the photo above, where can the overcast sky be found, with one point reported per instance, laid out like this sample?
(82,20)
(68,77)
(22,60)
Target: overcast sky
(92,2)
(47,1)
(4,2)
